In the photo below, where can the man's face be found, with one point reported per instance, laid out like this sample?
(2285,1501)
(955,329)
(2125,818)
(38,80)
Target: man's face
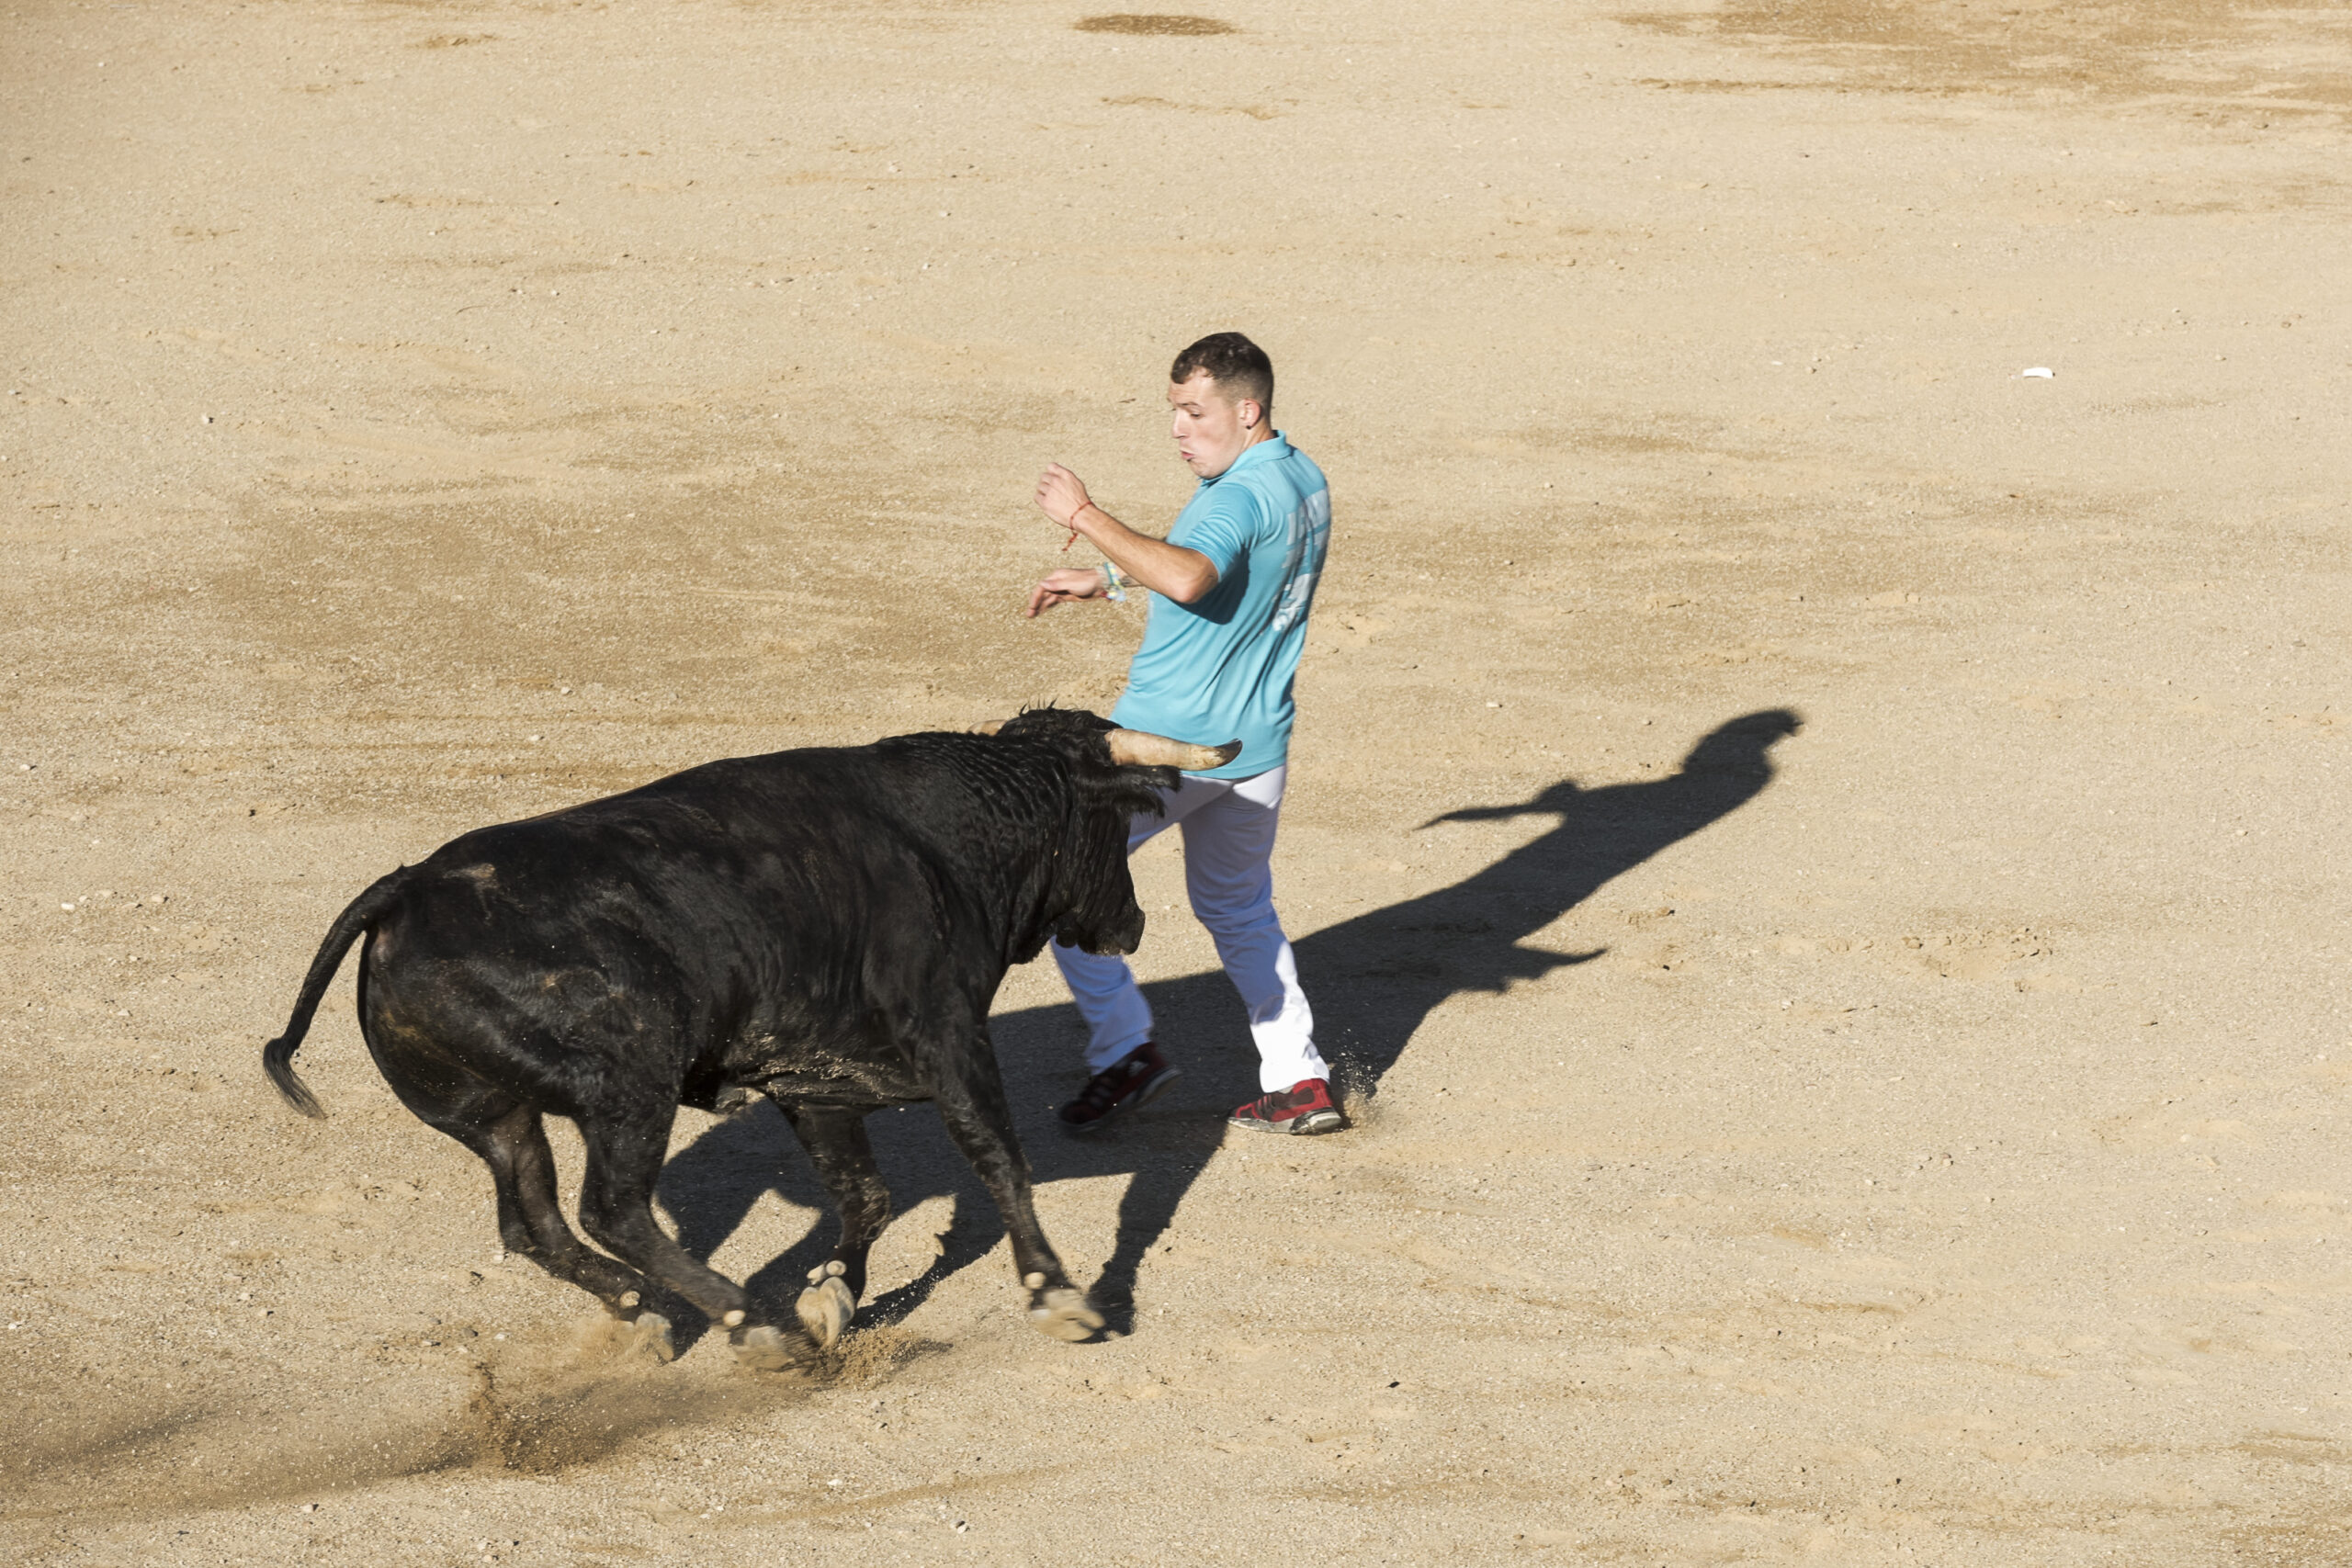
(1210,430)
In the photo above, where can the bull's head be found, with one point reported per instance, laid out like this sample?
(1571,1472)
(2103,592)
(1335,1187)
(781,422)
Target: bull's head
(1117,773)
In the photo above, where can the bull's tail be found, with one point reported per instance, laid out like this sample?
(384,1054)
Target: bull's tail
(277,1056)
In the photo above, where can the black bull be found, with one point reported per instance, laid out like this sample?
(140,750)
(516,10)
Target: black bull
(826,928)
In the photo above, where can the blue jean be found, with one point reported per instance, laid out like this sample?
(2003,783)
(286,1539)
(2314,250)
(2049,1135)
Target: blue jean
(1228,827)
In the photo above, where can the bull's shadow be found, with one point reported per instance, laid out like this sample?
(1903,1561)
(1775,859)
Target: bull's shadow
(1373,981)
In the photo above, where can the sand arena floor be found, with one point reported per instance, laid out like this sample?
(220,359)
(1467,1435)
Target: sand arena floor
(1916,1137)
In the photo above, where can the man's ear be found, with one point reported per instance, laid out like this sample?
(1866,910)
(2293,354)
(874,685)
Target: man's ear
(1252,412)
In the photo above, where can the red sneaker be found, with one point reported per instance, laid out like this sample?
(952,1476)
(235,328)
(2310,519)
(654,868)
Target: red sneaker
(1305,1107)
(1133,1080)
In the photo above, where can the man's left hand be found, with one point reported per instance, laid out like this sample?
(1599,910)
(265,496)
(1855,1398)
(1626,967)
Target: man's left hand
(1061,587)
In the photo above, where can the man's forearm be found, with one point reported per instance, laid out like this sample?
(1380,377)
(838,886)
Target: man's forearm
(1169,571)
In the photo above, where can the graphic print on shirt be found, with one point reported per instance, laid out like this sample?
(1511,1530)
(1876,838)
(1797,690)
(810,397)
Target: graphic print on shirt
(1310,536)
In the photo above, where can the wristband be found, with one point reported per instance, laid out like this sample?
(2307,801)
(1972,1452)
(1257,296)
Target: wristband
(1111,588)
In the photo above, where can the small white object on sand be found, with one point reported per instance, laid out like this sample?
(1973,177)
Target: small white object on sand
(2041,372)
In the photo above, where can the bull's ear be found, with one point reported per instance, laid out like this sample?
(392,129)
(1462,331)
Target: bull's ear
(992,726)
(1130,748)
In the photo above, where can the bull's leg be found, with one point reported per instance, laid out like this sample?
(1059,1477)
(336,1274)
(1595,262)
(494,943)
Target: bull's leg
(617,1211)
(530,1221)
(972,1103)
(835,1139)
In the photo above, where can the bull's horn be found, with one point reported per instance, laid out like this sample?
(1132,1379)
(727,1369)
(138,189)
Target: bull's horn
(992,726)
(1133,747)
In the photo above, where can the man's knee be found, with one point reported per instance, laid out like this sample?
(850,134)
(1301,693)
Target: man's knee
(1238,920)
(1226,899)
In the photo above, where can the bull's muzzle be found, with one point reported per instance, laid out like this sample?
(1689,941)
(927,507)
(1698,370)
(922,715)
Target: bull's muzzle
(1119,939)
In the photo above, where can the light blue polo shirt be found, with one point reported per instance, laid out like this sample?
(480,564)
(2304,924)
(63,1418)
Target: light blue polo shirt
(1221,668)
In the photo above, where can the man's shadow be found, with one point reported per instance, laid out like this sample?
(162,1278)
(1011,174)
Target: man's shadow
(1373,981)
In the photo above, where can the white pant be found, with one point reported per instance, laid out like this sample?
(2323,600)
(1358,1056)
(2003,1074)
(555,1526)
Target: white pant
(1229,840)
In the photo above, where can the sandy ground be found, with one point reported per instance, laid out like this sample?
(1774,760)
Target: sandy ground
(1913,1137)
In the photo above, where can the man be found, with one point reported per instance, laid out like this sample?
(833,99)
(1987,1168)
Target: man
(1231,586)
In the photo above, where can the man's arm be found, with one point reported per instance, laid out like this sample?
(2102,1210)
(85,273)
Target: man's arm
(1169,571)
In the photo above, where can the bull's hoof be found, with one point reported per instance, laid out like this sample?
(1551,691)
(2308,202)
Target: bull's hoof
(826,1306)
(1064,1314)
(649,1335)
(767,1349)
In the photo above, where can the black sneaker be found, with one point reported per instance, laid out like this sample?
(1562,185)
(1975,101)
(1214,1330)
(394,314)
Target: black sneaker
(1133,1080)
(1305,1107)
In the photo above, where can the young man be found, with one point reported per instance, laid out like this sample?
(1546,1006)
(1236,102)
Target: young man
(1231,587)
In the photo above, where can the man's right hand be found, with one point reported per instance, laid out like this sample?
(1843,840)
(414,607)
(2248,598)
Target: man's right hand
(1060,587)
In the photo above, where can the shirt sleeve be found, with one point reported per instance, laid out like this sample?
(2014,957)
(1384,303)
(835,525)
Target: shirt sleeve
(1225,530)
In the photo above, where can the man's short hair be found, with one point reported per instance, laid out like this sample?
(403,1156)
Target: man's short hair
(1240,368)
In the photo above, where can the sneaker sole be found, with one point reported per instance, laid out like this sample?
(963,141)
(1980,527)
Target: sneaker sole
(1151,1090)
(1310,1123)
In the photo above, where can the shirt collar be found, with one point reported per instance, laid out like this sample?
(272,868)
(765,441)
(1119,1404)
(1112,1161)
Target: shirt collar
(1272,448)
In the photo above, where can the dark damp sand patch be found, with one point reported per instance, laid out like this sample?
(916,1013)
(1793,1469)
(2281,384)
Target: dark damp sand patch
(1146,101)
(1156,26)
(2226,59)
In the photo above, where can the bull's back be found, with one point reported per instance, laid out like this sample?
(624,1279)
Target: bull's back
(677,920)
